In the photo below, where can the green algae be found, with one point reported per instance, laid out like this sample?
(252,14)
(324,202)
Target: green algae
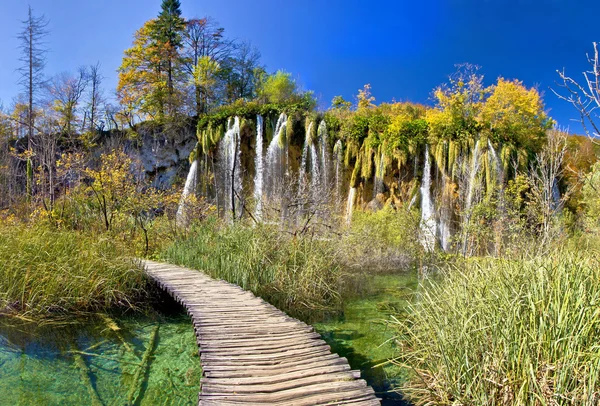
(362,333)
(92,362)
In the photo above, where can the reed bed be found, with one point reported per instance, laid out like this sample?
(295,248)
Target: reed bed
(45,271)
(500,332)
(299,275)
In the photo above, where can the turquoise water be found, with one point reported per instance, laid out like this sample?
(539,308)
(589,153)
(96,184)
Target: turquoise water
(362,334)
(152,359)
(102,360)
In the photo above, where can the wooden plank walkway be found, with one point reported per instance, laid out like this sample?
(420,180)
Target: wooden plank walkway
(254,354)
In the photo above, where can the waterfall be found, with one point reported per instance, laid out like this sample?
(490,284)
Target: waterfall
(258,164)
(314,170)
(302,173)
(469,200)
(276,160)
(323,141)
(230,158)
(378,181)
(445,213)
(350,205)
(337,159)
(496,161)
(472,176)
(428,224)
(181,218)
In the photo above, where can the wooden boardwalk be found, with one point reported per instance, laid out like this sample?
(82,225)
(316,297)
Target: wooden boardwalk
(254,354)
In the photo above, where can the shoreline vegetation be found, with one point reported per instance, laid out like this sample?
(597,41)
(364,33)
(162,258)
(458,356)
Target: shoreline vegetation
(480,193)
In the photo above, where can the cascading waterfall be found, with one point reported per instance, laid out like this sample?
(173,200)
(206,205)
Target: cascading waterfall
(337,159)
(496,161)
(315,179)
(325,156)
(259,166)
(276,162)
(445,233)
(428,223)
(302,173)
(378,181)
(470,190)
(350,205)
(230,158)
(181,218)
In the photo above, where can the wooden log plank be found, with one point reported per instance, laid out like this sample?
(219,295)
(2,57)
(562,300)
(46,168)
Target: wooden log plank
(252,353)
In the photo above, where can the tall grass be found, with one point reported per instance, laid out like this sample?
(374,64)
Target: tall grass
(44,271)
(298,275)
(499,332)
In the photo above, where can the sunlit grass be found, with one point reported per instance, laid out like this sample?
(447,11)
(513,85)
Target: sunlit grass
(299,275)
(45,271)
(499,332)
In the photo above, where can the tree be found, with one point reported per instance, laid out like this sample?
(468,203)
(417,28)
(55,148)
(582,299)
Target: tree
(240,72)
(94,100)
(585,97)
(204,79)
(513,113)
(65,91)
(277,88)
(339,103)
(167,34)
(142,85)
(33,59)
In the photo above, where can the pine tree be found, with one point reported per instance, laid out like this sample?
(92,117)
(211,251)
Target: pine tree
(167,34)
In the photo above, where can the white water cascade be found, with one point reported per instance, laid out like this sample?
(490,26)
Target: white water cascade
(276,161)
(325,155)
(378,181)
(337,162)
(496,162)
(315,175)
(445,213)
(470,190)
(428,224)
(259,167)
(230,158)
(181,218)
(302,173)
(350,205)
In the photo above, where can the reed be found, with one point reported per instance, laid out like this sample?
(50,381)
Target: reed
(299,275)
(45,271)
(500,332)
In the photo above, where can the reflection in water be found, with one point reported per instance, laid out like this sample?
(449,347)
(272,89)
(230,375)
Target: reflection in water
(103,360)
(363,336)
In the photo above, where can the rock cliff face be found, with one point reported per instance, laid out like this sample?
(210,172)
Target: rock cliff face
(164,154)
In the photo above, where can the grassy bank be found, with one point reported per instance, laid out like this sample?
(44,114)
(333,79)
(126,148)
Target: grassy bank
(299,275)
(501,332)
(45,271)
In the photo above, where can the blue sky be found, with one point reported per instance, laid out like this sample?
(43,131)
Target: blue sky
(402,48)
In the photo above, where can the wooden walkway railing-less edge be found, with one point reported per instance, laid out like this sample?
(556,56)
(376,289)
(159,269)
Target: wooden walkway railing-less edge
(254,354)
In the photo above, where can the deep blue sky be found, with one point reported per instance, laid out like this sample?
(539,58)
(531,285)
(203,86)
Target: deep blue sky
(403,48)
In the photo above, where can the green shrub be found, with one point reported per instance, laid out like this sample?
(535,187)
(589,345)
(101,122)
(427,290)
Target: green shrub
(499,332)
(298,275)
(45,271)
(386,240)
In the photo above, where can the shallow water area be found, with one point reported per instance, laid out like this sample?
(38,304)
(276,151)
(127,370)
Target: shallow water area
(149,359)
(363,336)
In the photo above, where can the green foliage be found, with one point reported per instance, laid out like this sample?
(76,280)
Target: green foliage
(392,236)
(500,332)
(45,271)
(277,88)
(298,275)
